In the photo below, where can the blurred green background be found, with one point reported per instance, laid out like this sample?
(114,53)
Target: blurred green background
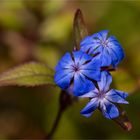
(42,30)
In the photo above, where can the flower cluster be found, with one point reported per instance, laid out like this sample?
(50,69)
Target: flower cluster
(81,73)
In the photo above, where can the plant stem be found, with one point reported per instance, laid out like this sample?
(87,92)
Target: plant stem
(56,122)
(65,100)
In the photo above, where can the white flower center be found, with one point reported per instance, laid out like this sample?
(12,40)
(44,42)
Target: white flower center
(101,96)
(104,43)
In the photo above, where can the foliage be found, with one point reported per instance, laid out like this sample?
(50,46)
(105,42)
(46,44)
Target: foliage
(29,74)
(27,34)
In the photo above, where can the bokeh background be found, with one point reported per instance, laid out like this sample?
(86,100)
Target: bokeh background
(41,30)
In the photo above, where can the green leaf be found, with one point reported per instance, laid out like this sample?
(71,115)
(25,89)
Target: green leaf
(28,74)
(123,120)
(80,30)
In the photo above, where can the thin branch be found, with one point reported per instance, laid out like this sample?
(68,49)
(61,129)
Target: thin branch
(65,101)
(56,123)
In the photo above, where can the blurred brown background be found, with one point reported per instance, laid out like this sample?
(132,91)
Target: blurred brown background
(41,30)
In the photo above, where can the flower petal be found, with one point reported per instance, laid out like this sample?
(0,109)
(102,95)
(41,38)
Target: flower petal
(97,49)
(65,62)
(120,93)
(82,85)
(90,107)
(105,58)
(113,96)
(92,69)
(91,94)
(109,110)
(90,45)
(92,74)
(105,82)
(86,42)
(63,78)
(116,47)
(102,35)
(81,57)
(114,58)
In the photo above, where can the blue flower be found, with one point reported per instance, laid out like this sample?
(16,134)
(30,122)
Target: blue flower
(77,70)
(110,49)
(103,98)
